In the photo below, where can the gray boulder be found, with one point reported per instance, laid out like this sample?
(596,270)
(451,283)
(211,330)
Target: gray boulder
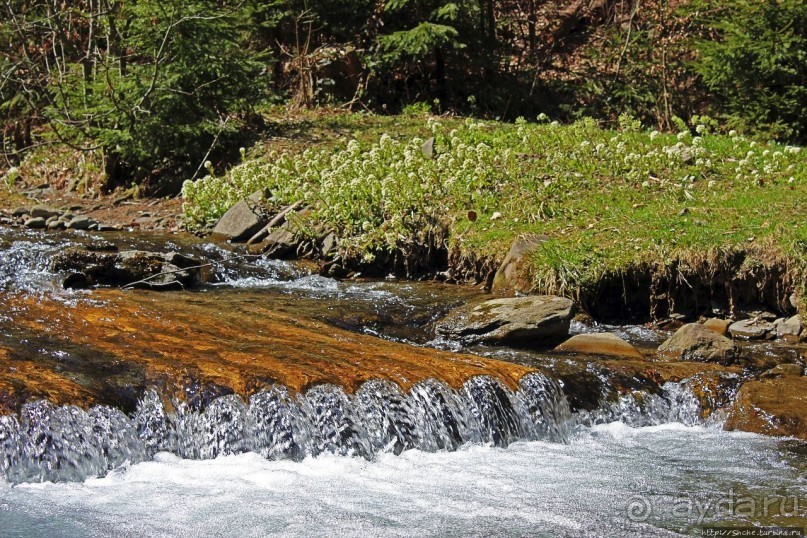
(79,222)
(510,275)
(694,342)
(518,321)
(789,329)
(239,223)
(44,211)
(751,328)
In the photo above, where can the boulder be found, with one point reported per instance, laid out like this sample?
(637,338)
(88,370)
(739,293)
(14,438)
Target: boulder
(776,406)
(238,224)
(20,211)
(720,326)
(510,275)
(751,329)
(79,222)
(694,342)
(131,268)
(604,344)
(36,223)
(44,211)
(281,243)
(519,321)
(56,225)
(789,329)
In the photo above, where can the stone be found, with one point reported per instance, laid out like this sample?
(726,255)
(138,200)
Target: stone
(604,344)
(44,211)
(511,277)
(789,329)
(281,243)
(76,281)
(720,326)
(56,225)
(238,224)
(36,223)
(783,370)
(694,342)
(277,221)
(328,245)
(79,223)
(130,268)
(751,329)
(427,149)
(774,406)
(107,228)
(19,212)
(519,321)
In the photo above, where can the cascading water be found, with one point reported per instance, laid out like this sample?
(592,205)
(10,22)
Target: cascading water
(49,443)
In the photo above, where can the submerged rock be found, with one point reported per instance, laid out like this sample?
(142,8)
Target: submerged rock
(132,268)
(771,407)
(783,370)
(694,342)
(605,344)
(518,321)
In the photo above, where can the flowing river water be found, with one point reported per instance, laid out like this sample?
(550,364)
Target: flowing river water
(271,401)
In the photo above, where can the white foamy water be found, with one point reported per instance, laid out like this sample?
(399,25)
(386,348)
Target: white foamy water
(584,488)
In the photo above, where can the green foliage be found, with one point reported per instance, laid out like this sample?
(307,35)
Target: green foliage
(757,66)
(607,199)
(171,98)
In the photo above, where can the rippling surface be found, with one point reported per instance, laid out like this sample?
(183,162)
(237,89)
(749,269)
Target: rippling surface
(276,417)
(584,488)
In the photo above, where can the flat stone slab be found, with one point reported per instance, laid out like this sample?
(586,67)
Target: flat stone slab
(751,328)
(518,321)
(604,344)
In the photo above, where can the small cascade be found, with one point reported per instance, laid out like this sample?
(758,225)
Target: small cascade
(674,403)
(49,443)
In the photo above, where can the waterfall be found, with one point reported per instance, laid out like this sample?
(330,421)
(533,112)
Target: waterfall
(51,443)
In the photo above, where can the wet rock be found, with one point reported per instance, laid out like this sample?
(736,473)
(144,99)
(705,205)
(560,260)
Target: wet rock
(751,328)
(510,275)
(518,321)
(776,406)
(44,211)
(79,222)
(19,212)
(107,228)
(131,268)
(605,344)
(789,329)
(281,243)
(56,225)
(76,281)
(238,224)
(720,326)
(783,370)
(694,342)
(36,223)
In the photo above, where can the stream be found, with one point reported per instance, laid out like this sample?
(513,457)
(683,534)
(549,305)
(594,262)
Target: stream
(273,401)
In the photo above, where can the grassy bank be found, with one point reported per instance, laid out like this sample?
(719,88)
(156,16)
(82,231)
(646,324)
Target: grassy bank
(607,199)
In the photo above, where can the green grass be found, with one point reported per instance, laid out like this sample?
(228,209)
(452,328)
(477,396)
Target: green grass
(606,199)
